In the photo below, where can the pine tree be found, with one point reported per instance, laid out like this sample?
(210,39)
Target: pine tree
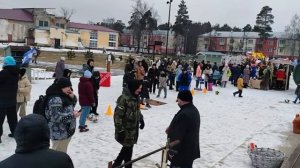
(264,20)
(181,25)
(182,19)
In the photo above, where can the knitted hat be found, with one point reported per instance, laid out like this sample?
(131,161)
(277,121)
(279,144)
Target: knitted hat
(133,85)
(63,82)
(87,74)
(9,61)
(185,95)
(22,72)
(62,58)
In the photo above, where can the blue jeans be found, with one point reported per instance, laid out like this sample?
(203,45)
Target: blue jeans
(85,111)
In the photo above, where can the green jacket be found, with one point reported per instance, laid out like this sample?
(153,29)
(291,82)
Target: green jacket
(126,117)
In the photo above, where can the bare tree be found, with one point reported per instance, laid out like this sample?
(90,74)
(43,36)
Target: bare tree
(293,32)
(67,13)
(139,9)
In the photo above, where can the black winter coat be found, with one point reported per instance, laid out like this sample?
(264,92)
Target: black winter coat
(44,158)
(32,137)
(153,74)
(8,86)
(185,128)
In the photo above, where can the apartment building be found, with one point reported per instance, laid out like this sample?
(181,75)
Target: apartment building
(241,42)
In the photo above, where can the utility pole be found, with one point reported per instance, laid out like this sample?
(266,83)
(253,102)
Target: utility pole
(170,4)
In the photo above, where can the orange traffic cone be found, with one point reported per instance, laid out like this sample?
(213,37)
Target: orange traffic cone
(204,91)
(109,111)
(142,106)
(193,92)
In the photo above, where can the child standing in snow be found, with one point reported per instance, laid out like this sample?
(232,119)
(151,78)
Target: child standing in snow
(240,86)
(162,83)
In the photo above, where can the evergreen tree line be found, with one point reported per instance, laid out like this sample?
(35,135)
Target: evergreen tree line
(144,18)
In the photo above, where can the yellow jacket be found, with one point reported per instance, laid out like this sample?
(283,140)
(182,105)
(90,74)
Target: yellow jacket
(240,83)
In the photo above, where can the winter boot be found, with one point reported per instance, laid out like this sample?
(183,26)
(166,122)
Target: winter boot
(116,164)
(81,126)
(148,105)
(83,129)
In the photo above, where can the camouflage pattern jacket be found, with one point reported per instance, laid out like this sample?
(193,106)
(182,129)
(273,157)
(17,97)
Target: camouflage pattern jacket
(126,117)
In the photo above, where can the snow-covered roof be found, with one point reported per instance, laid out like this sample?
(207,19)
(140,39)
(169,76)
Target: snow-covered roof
(224,34)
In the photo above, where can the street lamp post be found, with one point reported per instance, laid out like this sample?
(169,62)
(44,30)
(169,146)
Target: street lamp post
(170,4)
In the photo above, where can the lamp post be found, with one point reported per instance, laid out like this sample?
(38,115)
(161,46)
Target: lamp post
(170,4)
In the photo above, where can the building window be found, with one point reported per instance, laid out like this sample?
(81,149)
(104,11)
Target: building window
(93,44)
(222,41)
(93,35)
(282,42)
(249,49)
(43,23)
(250,41)
(270,42)
(60,25)
(281,50)
(112,44)
(270,49)
(93,39)
(113,40)
(113,37)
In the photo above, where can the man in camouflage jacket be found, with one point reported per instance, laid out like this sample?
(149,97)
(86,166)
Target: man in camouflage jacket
(128,119)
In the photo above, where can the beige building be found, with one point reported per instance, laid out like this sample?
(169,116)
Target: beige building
(94,36)
(38,26)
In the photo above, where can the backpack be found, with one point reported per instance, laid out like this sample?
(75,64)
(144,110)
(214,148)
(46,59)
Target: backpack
(39,106)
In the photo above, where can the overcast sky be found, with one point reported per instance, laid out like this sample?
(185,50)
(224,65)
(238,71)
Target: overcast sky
(233,12)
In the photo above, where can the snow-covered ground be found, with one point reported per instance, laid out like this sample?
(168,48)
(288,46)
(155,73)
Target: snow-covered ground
(228,125)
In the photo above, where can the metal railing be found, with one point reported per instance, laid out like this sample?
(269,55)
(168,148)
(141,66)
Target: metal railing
(164,161)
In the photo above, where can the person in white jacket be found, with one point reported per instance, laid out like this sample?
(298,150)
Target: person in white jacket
(226,75)
(23,93)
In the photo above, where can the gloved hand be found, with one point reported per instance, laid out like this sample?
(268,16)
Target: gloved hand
(94,104)
(121,136)
(142,124)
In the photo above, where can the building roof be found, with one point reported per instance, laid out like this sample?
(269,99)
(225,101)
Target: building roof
(155,32)
(224,34)
(210,53)
(90,27)
(16,14)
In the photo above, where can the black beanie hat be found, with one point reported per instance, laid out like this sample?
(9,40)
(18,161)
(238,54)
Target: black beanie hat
(63,82)
(133,85)
(22,72)
(185,95)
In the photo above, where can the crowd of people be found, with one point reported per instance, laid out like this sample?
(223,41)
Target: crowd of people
(141,79)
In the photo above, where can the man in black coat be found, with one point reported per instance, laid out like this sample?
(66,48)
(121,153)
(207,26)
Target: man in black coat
(8,94)
(184,129)
(32,137)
